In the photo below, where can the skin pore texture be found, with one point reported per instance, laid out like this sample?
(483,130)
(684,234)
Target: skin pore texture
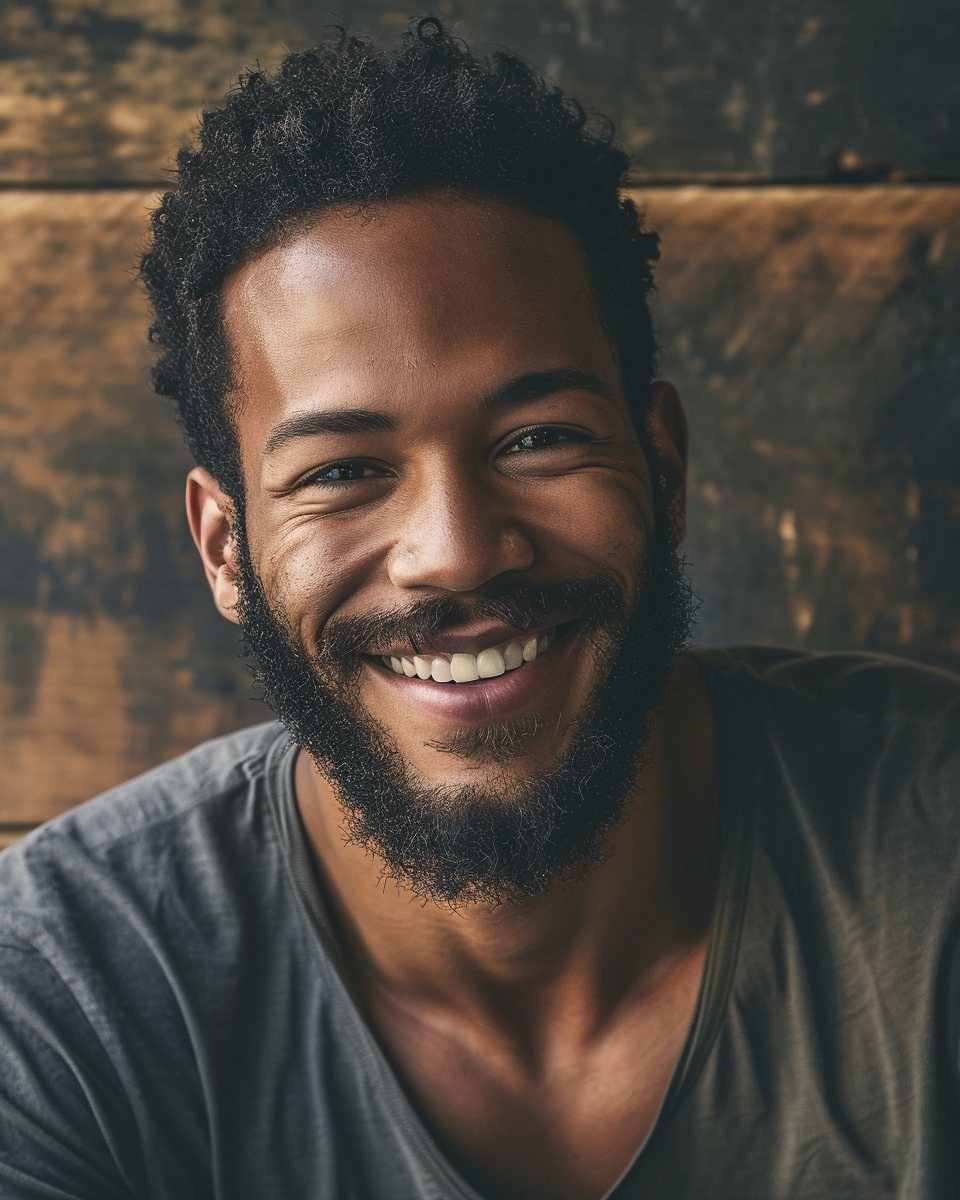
(535,1038)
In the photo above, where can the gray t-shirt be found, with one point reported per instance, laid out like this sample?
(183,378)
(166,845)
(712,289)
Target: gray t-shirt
(173,1026)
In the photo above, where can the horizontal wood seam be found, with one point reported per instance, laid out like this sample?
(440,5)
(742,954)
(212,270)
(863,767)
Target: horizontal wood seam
(633,179)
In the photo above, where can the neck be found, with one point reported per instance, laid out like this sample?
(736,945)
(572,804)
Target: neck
(634,917)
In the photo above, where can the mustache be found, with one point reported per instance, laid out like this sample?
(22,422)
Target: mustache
(594,600)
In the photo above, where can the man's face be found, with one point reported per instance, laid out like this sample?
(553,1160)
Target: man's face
(442,477)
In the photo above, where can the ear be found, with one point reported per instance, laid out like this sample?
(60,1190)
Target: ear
(667,423)
(211,516)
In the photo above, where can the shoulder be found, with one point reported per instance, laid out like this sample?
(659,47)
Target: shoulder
(125,930)
(840,716)
(172,819)
(201,777)
(865,685)
(854,756)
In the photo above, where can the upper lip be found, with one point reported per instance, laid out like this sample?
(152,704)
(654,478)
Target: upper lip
(464,639)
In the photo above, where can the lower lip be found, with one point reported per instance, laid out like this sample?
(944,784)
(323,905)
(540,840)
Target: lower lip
(501,698)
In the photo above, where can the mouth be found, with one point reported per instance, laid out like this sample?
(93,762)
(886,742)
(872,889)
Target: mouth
(464,667)
(476,685)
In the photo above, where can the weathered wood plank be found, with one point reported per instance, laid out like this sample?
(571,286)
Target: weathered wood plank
(108,91)
(812,333)
(105,90)
(110,658)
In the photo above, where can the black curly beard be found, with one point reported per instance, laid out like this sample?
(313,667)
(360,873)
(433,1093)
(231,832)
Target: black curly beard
(518,836)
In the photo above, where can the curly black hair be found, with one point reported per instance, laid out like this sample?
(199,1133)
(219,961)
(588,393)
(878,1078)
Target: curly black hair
(347,123)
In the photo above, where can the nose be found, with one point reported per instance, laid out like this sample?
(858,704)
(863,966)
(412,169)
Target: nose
(456,534)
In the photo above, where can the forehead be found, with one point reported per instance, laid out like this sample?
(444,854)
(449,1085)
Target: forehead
(415,296)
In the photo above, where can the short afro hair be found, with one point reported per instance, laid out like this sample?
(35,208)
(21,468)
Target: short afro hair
(347,123)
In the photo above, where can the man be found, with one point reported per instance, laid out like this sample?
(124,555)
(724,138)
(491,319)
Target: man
(519,900)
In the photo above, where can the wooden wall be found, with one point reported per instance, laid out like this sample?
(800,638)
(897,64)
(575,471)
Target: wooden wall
(812,329)
(102,89)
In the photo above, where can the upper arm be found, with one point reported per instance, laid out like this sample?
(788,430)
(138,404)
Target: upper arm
(65,1129)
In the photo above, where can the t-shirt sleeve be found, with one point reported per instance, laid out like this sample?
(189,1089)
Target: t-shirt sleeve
(64,1131)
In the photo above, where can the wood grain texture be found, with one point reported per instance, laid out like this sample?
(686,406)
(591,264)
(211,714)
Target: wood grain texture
(813,334)
(109,91)
(111,658)
(102,90)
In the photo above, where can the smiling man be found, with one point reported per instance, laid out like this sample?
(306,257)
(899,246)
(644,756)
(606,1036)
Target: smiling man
(519,899)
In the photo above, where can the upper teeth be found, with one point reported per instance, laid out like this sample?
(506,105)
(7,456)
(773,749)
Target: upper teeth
(464,668)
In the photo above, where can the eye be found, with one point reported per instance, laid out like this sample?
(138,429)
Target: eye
(343,472)
(544,437)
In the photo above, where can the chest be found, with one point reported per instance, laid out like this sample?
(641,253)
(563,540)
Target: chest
(541,1115)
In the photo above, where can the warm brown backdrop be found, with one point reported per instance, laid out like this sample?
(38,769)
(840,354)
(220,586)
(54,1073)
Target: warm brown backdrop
(812,328)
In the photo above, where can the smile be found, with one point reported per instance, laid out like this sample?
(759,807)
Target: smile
(517,675)
(468,668)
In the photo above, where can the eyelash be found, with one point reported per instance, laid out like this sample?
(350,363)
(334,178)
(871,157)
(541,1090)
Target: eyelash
(334,466)
(562,434)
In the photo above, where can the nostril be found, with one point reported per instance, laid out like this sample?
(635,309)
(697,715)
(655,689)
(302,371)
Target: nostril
(459,556)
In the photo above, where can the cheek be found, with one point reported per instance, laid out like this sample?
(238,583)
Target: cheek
(310,573)
(604,522)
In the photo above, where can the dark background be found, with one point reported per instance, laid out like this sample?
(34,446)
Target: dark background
(802,162)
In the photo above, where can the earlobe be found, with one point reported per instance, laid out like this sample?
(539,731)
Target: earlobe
(211,517)
(667,423)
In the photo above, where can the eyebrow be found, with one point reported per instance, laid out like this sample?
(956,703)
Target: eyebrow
(521,390)
(343,420)
(537,384)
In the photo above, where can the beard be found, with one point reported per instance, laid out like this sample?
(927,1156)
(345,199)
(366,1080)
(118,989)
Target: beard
(515,837)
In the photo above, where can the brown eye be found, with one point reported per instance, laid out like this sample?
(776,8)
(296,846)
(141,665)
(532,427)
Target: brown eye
(544,438)
(342,472)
